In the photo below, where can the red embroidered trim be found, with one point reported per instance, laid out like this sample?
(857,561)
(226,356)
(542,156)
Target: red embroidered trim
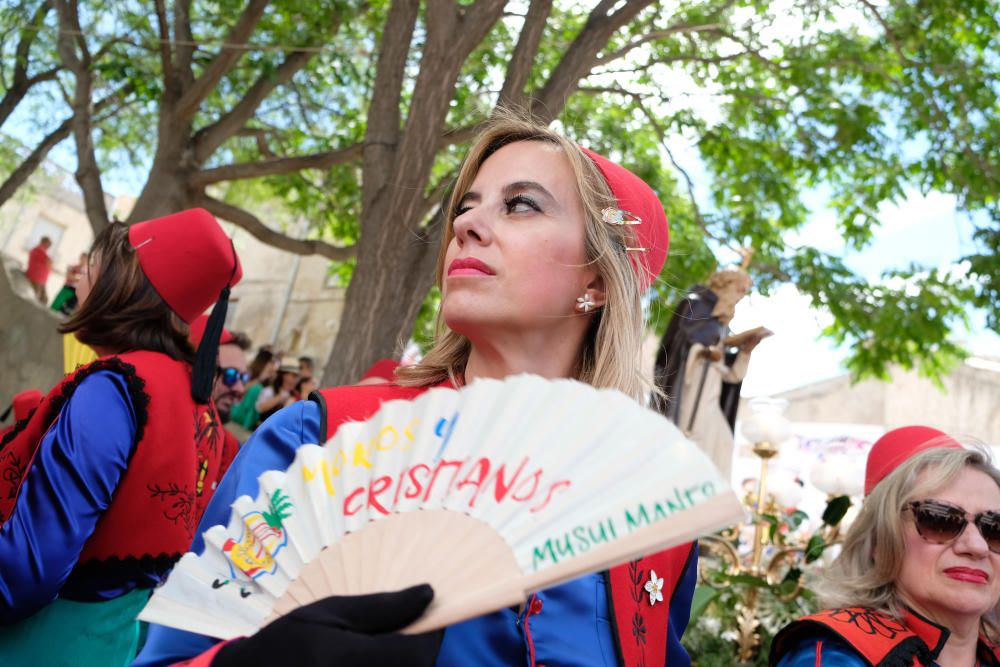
(534,607)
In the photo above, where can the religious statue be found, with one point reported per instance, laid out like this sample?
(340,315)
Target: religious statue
(700,366)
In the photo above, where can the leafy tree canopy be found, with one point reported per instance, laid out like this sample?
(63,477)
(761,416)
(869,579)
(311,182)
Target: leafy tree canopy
(354,116)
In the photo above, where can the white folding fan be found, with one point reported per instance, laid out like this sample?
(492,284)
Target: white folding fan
(487,493)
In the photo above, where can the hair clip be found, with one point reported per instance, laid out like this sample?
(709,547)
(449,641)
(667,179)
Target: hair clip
(616,216)
(636,249)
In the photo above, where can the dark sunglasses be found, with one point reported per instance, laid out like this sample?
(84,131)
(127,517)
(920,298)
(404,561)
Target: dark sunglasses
(941,522)
(231,376)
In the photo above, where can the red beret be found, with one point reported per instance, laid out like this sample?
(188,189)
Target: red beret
(188,259)
(198,331)
(897,446)
(638,199)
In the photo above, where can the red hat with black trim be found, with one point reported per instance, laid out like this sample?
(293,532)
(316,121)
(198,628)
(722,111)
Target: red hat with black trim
(638,205)
(198,332)
(191,264)
(898,446)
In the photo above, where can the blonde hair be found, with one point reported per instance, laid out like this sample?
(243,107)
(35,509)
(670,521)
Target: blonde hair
(865,572)
(612,349)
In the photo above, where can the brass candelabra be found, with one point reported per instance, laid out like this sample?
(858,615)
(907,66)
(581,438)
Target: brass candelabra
(721,555)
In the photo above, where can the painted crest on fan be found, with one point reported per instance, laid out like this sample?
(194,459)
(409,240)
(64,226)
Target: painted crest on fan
(263,536)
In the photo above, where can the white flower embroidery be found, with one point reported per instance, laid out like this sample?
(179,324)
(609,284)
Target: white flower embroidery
(655,588)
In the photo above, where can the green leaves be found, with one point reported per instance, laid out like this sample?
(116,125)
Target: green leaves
(733,111)
(835,510)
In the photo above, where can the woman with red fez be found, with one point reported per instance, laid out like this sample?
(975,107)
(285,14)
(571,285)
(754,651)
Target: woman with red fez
(917,583)
(102,488)
(547,250)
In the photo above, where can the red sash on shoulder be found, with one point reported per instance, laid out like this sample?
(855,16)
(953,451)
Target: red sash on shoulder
(354,403)
(877,637)
(170,478)
(641,627)
(880,639)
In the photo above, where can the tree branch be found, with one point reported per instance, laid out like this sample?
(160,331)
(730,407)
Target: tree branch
(228,54)
(460,135)
(436,196)
(260,135)
(169,76)
(581,56)
(453,32)
(657,35)
(209,138)
(248,221)
(21,83)
(235,172)
(28,166)
(27,38)
(88,174)
(185,44)
(523,58)
(382,130)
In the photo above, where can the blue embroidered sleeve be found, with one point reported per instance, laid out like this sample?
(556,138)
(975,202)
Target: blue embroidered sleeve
(75,473)
(271,447)
(832,652)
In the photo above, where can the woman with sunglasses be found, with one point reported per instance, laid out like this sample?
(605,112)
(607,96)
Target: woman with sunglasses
(918,579)
(102,487)
(546,251)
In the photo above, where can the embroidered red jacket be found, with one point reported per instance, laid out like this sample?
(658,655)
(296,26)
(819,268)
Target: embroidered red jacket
(177,459)
(880,639)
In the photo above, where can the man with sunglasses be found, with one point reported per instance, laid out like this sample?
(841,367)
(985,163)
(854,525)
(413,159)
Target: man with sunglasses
(918,580)
(231,375)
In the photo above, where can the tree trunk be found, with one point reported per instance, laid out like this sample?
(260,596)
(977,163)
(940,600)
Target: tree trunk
(167,190)
(389,284)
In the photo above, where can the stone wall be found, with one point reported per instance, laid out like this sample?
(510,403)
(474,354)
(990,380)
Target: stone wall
(285,300)
(964,405)
(31,352)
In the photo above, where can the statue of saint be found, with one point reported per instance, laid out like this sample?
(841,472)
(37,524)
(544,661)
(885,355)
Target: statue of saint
(700,367)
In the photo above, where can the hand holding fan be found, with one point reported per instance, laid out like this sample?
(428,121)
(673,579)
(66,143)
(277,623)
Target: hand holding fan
(487,493)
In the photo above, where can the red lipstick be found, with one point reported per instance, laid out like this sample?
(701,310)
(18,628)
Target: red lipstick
(968,574)
(469,266)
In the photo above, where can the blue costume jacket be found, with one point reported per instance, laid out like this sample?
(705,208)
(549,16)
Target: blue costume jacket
(565,625)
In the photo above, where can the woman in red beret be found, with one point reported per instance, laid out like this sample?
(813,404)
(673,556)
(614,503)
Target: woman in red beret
(101,489)
(918,580)
(546,252)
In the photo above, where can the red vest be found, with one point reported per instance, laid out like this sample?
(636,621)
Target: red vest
(170,478)
(877,637)
(640,628)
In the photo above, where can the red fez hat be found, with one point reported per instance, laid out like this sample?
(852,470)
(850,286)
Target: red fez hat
(899,445)
(638,205)
(188,259)
(198,332)
(383,368)
(191,264)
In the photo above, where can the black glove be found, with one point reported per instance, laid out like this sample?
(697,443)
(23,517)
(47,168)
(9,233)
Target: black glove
(342,632)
